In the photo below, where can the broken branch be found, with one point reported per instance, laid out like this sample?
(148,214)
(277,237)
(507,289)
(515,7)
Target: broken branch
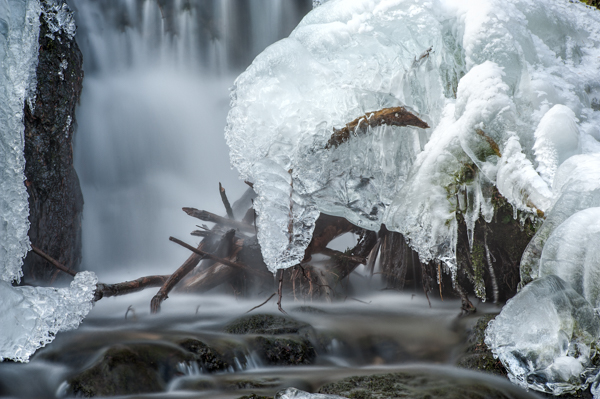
(225,202)
(211,217)
(221,260)
(396,116)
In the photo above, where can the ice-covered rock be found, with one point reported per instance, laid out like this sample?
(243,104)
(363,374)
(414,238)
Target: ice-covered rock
(573,254)
(32,316)
(293,393)
(546,337)
(576,187)
(507,87)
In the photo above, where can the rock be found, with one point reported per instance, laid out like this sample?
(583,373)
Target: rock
(208,358)
(131,369)
(55,198)
(276,351)
(265,324)
(422,384)
(477,356)
(294,349)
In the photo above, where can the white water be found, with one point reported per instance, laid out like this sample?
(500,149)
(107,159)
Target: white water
(151,119)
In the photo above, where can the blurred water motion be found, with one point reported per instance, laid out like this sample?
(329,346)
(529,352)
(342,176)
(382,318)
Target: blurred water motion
(152,114)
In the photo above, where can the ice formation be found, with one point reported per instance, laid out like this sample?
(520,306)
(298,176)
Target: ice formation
(509,88)
(550,346)
(293,393)
(31,316)
(19,30)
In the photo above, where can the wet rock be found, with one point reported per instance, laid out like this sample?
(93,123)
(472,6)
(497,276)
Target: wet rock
(253,396)
(476,355)
(265,324)
(283,351)
(421,384)
(208,358)
(55,198)
(131,369)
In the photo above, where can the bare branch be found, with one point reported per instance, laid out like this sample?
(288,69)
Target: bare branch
(211,217)
(225,201)
(396,116)
(52,261)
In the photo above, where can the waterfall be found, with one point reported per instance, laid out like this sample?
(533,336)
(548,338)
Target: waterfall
(151,119)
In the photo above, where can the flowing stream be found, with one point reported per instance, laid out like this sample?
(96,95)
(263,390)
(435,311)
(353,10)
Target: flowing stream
(150,141)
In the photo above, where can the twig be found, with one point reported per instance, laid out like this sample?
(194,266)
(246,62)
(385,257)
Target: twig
(268,299)
(211,217)
(332,253)
(396,116)
(221,260)
(358,300)
(225,201)
(52,261)
(132,310)
(280,291)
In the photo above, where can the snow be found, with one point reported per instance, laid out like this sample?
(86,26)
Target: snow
(31,316)
(548,347)
(508,89)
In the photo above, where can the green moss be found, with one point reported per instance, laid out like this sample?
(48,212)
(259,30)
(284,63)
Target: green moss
(283,351)
(478,263)
(477,356)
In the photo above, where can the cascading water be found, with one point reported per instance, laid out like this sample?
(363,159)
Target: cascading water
(152,114)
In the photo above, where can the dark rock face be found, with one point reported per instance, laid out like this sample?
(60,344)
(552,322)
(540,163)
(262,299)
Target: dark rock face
(265,324)
(55,198)
(420,384)
(131,369)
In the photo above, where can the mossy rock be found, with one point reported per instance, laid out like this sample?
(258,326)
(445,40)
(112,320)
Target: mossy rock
(208,358)
(418,384)
(477,356)
(265,324)
(130,369)
(276,351)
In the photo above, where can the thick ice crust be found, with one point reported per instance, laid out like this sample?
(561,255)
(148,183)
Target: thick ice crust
(31,316)
(509,88)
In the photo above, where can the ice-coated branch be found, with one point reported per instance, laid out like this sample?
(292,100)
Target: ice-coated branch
(395,116)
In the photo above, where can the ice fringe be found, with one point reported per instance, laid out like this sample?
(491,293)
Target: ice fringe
(30,317)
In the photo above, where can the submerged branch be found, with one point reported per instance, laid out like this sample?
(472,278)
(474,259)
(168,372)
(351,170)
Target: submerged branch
(396,116)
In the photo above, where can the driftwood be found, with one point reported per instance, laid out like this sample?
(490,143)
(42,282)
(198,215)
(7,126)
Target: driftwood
(176,277)
(396,116)
(226,203)
(220,220)
(128,287)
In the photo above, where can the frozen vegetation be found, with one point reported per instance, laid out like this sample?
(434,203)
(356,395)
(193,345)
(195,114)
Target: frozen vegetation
(511,91)
(31,316)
